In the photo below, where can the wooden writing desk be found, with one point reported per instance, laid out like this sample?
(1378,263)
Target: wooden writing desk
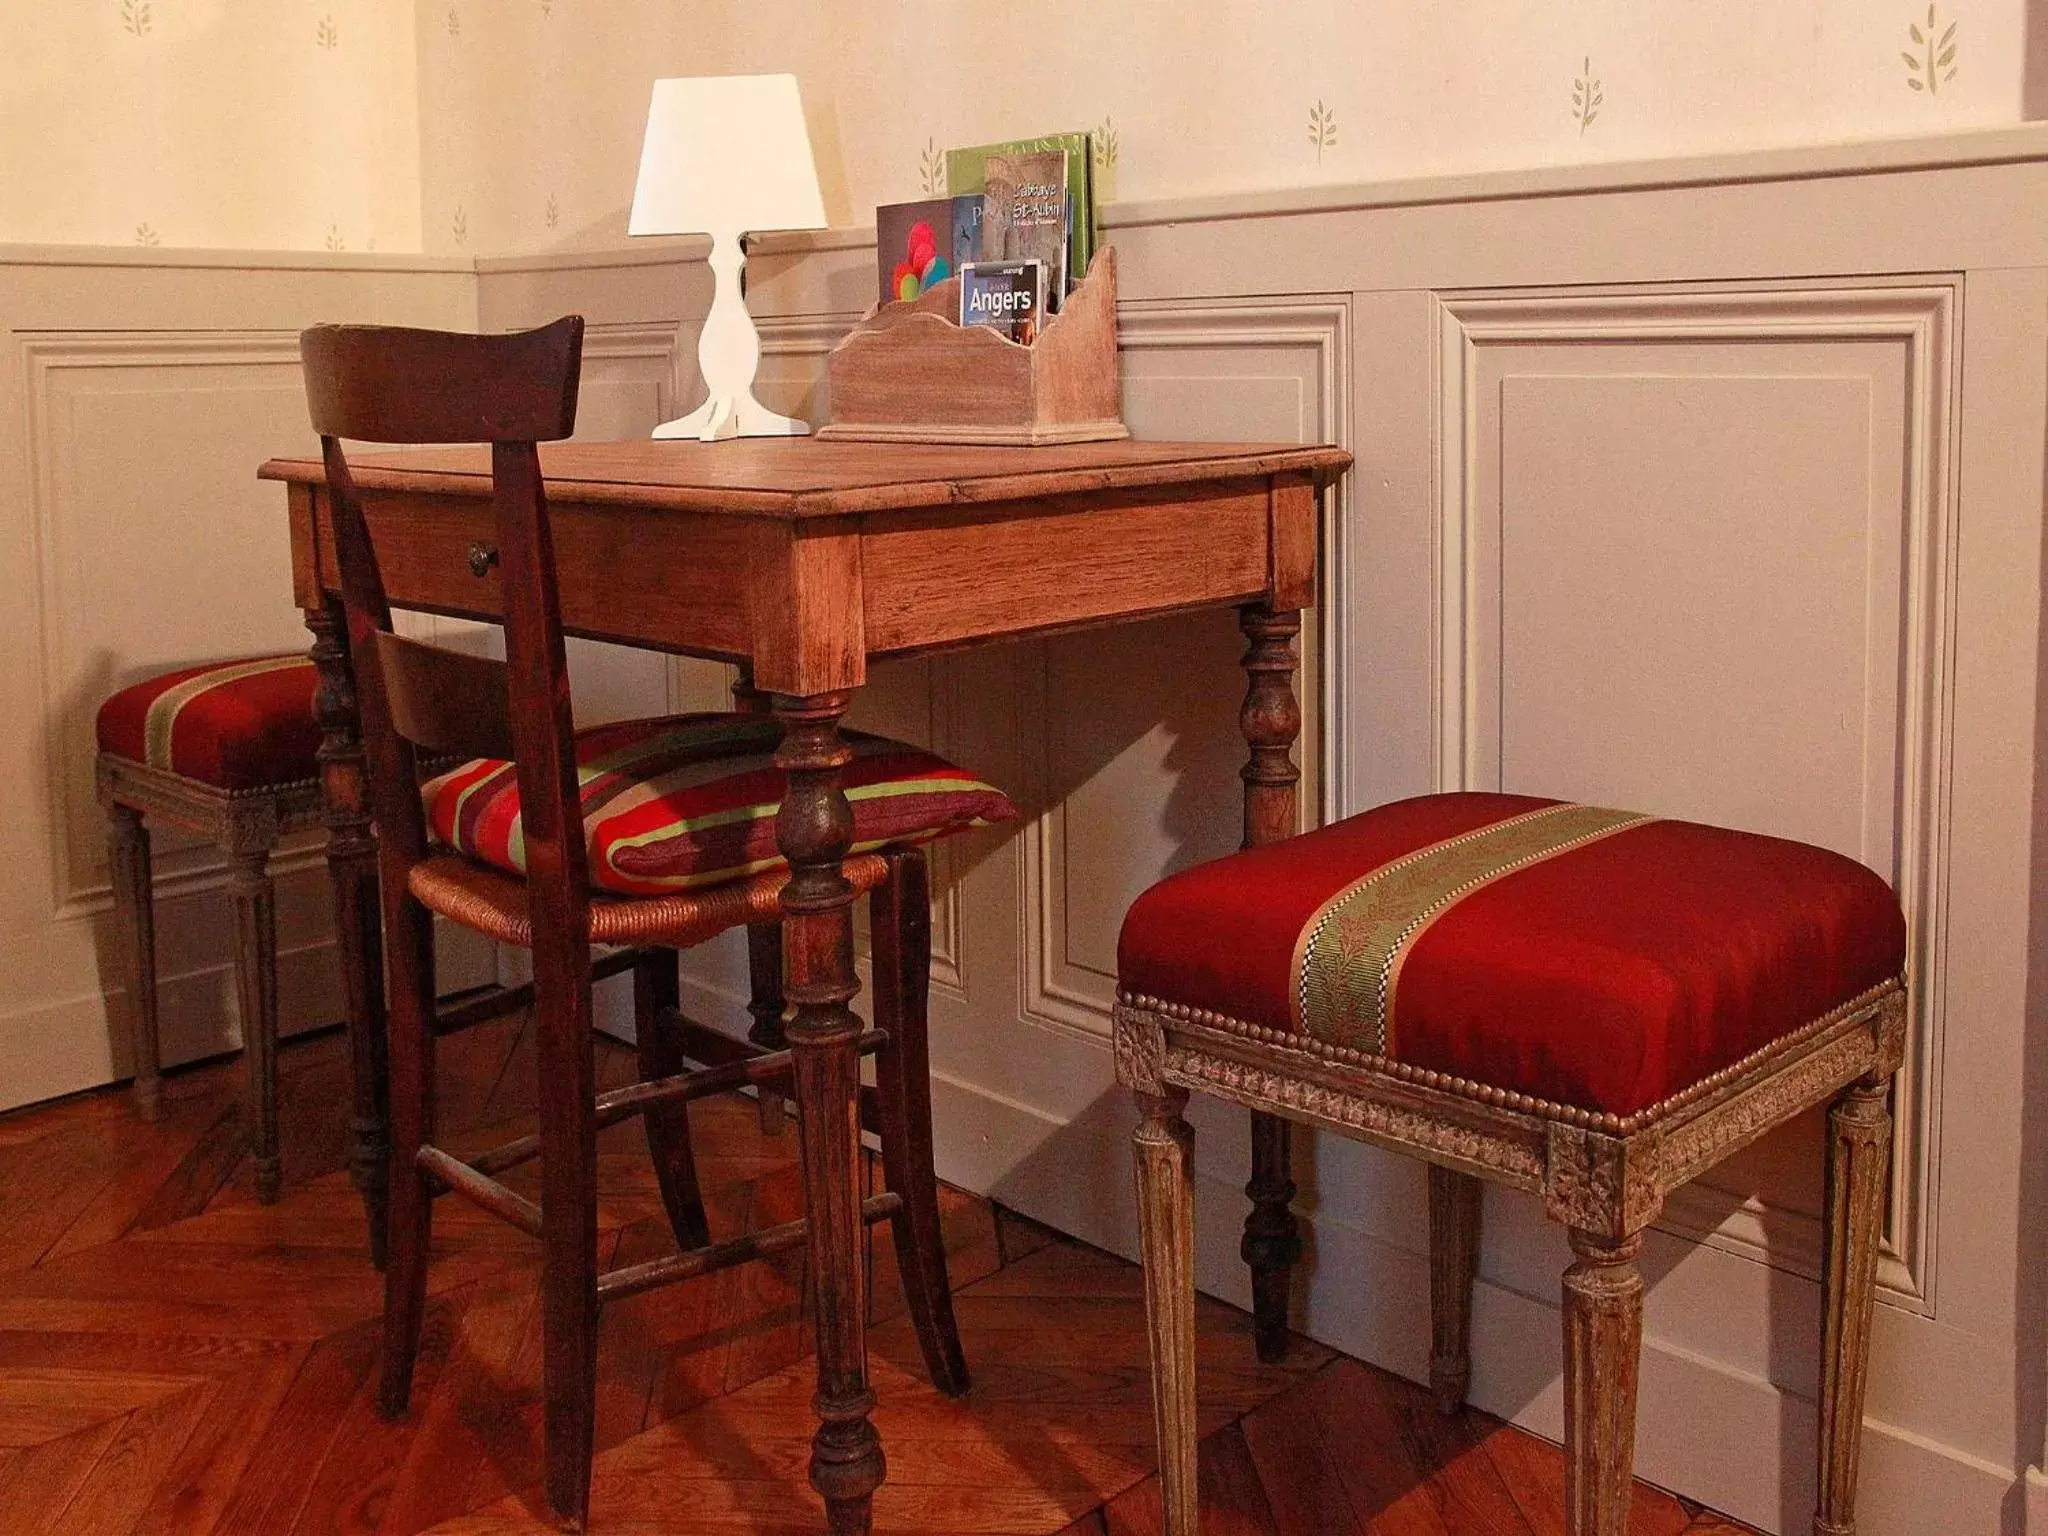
(800,561)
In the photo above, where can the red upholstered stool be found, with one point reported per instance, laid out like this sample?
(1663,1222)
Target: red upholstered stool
(1592,1005)
(226,751)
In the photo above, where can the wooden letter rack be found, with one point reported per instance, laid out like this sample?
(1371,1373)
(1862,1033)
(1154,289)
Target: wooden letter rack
(909,373)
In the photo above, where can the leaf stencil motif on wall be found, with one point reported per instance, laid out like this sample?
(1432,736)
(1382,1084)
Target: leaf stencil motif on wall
(454,22)
(1322,128)
(553,214)
(1108,144)
(1586,97)
(931,169)
(459,227)
(1109,148)
(135,17)
(327,35)
(334,240)
(145,234)
(1932,62)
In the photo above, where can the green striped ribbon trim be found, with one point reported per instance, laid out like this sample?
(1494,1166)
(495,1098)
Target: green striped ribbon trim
(162,717)
(1348,960)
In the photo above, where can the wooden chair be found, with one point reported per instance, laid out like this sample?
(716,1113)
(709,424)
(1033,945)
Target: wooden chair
(225,751)
(1586,1004)
(558,885)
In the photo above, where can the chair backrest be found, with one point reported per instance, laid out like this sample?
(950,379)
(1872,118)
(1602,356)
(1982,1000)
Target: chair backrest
(390,384)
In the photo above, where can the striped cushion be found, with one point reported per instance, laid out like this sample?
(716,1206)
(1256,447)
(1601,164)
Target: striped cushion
(684,801)
(237,725)
(1588,957)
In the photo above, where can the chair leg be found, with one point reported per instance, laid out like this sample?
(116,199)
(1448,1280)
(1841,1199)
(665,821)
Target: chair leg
(256,988)
(568,1202)
(1164,1148)
(657,1030)
(135,918)
(1859,1161)
(410,1208)
(1603,1337)
(1272,1239)
(764,967)
(1453,1262)
(900,908)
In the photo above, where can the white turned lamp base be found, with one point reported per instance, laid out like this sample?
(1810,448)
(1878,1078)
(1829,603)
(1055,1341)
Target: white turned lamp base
(728,351)
(724,416)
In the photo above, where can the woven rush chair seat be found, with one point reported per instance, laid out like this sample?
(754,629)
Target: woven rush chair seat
(1593,1006)
(1567,955)
(496,904)
(236,725)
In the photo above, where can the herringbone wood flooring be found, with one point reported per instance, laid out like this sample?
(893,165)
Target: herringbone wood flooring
(176,1358)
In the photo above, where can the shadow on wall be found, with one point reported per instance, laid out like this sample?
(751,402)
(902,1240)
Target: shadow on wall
(2034,83)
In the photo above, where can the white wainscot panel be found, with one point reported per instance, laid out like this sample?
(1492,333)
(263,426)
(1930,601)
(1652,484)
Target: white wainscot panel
(158,546)
(1694,559)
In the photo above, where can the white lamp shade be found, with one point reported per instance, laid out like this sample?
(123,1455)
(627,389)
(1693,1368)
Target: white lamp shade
(726,154)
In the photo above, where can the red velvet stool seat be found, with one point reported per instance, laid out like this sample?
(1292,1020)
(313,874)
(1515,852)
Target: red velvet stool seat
(228,751)
(1594,1005)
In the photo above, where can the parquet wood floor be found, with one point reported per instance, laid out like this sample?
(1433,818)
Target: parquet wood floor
(175,1358)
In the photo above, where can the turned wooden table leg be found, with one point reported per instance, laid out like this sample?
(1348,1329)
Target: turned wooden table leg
(1859,1162)
(135,918)
(814,830)
(1270,720)
(1453,1262)
(352,865)
(1603,1338)
(1163,1149)
(256,986)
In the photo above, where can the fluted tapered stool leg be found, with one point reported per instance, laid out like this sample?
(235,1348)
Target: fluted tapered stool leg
(1859,1158)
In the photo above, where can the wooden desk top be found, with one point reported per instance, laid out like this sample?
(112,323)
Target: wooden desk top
(792,479)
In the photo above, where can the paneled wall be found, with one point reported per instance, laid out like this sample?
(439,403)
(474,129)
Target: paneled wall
(1715,490)
(138,393)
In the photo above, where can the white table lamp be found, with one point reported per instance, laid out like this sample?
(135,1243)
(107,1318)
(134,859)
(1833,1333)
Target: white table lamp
(726,155)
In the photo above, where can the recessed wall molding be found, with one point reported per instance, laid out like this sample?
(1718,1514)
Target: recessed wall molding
(1874,367)
(62,372)
(1200,352)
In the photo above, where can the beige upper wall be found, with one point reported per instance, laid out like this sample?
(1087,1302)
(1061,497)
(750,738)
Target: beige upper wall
(499,126)
(514,125)
(254,124)
(533,108)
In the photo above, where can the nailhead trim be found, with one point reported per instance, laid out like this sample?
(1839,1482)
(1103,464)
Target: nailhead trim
(1508,1098)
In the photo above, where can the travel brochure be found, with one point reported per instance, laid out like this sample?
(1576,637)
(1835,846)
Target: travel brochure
(1018,227)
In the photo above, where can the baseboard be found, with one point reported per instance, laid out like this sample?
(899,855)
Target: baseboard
(2035,1501)
(77,1046)
(1755,1465)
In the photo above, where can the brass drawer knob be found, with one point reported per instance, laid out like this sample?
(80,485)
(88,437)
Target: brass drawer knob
(481,558)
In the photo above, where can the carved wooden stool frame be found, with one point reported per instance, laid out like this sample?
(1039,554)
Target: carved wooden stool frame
(247,825)
(1604,1177)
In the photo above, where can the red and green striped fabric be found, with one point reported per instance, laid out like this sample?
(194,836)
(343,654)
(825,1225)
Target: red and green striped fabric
(1596,958)
(237,725)
(686,801)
